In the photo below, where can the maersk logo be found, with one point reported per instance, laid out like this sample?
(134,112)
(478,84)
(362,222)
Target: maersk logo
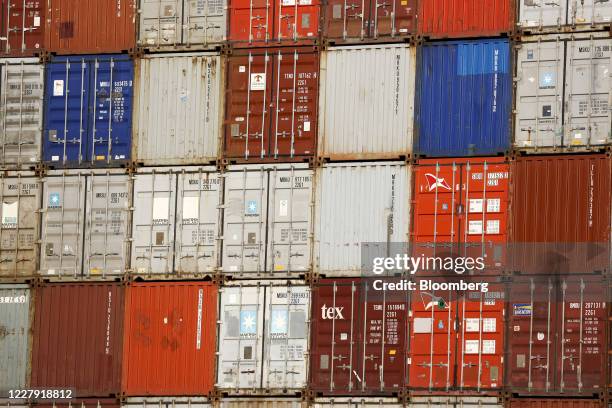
(434,182)
(54,200)
(328,313)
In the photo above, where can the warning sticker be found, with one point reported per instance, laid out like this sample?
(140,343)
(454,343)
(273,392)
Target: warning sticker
(58,87)
(488,325)
(492,226)
(488,347)
(476,205)
(475,227)
(258,82)
(493,205)
(472,325)
(471,346)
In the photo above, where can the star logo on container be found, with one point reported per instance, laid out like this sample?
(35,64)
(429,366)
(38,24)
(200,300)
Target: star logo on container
(547,79)
(54,200)
(434,182)
(248,322)
(251,207)
(279,322)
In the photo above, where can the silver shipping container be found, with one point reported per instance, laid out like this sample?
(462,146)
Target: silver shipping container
(355,204)
(171,24)
(563,93)
(366,102)
(455,401)
(166,402)
(15,320)
(21,111)
(267,219)
(176,221)
(537,15)
(20,195)
(179,100)
(85,223)
(261,402)
(356,402)
(263,337)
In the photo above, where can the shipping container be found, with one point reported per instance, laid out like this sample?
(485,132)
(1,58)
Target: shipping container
(271,104)
(176,222)
(182,24)
(78,402)
(463,98)
(455,401)
(263,338)
(14,337)
(21,28)
(539,16)
(368,21)
(20,195)
(68,26)
(86,217)
(170,330)
(366,102)
(554,403)
(267,221)
(261,402)
(563,93)
(560,214)
(178,114)
(359,204)
(77,338)
(359,338)
(21,108)
(557,336)
(357,402)
(166,402)
(88,121)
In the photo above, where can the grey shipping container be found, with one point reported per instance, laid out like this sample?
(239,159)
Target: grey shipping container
(85,223)
(563,93)
(261,403)
(537,15)
(366,102)
(20,195)
(176,221)
(263,337)
(178,108)
(267,219)
(15,320)
(365,402)
(21,107)
(188,24)
(166,402)
(358,203)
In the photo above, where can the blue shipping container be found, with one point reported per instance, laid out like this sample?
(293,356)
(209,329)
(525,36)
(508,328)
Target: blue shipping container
(88,122)
(463,98)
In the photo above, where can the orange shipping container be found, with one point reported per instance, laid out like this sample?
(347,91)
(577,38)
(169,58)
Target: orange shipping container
(170,332)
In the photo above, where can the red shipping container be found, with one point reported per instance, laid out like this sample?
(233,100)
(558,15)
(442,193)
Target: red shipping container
(555,403)
(271,104)
(457,337)
(353,21)
(78,337)
(557,336)
(90,26)
(22,27)
(170,339)
(260,23)
(465,18)
(358,338)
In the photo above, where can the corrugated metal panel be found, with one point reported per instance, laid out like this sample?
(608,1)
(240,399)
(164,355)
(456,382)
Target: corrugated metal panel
(535,16)
(171,24)
(563,93)
(14,337)
(453,401)
(21,108)
(79,402)
(366,102)
(19,232)
(348,194)
(468,18)
(554,403)
(463,98)
(93,126)
(68,28)
(263,337)
(262,403)
(178,109)
(22,25)
(167,401)
(78,330)
(267,219)
(170,331)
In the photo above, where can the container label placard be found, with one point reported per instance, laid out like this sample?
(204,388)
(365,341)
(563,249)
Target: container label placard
(258,82)
(9,215)
(161,207)
(521,309)
(58,87)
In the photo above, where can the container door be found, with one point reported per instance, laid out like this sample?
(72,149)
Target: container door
(206,21)
(251,21)
(160,22)
(21,104)
(588,84)
(19,208)
(67,112)
(392,18)
(286,317)
(240,348)
(539,94)
(289,220)
(62,225)
(589,12)
(15,323)
(542,13)
(198,215)
(296,19)
(346,19)
(153,228)
(22,26)
(245,212)
(108,200)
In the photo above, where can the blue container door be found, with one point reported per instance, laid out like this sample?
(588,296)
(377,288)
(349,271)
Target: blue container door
(464,98)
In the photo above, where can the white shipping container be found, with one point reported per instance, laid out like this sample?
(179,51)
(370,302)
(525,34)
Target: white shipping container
(563,93)
(366,102)
(356,402)
(355,204)
(543,14)
(263,344)
(179,100)
(261,403)
(166,402)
